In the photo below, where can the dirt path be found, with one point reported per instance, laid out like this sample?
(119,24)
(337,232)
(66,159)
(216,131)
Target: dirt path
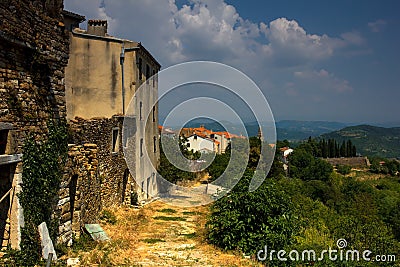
(159,235)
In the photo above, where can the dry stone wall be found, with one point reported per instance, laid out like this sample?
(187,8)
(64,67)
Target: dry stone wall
(79,196)
(113,173)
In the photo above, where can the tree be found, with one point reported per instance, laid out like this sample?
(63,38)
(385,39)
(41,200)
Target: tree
(343,152)
(306,167)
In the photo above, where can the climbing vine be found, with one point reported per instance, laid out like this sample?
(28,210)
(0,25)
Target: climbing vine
(43,162)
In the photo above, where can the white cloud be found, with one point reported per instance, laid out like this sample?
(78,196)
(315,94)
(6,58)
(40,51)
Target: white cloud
(214,30)
(102,14)
(268,52)
(377,26)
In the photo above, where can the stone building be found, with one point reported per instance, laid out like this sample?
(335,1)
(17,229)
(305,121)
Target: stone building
(102,77)
(35,41)
(33,55)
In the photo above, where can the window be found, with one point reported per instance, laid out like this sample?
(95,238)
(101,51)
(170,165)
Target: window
(3,141)
(140,68)
(195,137)
(154,113)
(140,110)
(141,147)
(147,73)
(155,144)
(154,78)
(188,144)
(115,140)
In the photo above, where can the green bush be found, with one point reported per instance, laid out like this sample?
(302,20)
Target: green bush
(108,216)
(343,169)
(248,221)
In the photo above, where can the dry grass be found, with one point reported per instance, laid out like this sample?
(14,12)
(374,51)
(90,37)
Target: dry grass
(140,240)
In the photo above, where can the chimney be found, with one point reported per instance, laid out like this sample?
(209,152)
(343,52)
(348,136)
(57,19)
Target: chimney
(97,27)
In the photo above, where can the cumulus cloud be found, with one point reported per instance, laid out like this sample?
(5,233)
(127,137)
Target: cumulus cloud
(377,26)
(102,14)
(214,30)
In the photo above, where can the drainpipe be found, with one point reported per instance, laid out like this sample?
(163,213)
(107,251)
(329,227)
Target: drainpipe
(121,61)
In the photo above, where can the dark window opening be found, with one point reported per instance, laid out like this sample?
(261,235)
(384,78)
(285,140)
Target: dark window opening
(140,110)
(154,114)
(147,73)
(124,185)
(140,69)
(3,141)
(155,144)
(154,78)
(188,144)
(141,147)
(72,194)
(115,139)
(195,137)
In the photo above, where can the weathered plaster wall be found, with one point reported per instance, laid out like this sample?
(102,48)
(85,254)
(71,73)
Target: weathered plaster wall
(94,77)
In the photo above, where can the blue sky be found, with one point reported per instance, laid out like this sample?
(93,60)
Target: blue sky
(313,60)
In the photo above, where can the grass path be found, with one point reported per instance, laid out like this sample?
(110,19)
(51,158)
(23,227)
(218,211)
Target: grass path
(159,235)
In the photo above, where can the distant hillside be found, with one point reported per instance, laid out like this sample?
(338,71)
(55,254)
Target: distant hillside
(288,129)
(370,140)
(300,130)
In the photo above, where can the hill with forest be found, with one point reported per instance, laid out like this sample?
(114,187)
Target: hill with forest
(370,140)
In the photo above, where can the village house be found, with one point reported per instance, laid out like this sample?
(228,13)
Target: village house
(201,144)
(200,139)
(101,78)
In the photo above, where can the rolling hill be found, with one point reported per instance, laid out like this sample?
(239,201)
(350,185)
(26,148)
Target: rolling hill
(370,140)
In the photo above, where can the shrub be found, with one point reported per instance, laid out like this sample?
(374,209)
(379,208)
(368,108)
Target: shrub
(248,221)
(343,169)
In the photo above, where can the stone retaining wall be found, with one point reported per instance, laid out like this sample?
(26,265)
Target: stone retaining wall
(79,196)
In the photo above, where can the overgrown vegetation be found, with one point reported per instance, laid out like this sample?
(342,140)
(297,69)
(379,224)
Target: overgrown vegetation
(43,162)
(108,216)
(385,166)
(168,170)
(169,218)
(310,207)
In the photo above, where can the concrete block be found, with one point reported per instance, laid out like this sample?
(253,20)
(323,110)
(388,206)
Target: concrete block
(46,243)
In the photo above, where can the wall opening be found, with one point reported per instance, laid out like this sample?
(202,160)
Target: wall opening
(140,110)
(124,185)
(140,68)
(3,141)
(115,140)
(72,194)
(141,147)
(148,187)
(6,172)
(147,73)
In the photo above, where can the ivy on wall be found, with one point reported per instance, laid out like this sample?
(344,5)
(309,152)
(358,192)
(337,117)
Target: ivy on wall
(43,162)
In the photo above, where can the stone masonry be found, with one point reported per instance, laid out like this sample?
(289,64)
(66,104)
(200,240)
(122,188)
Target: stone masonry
(116,182)
(33,55)
(79,197)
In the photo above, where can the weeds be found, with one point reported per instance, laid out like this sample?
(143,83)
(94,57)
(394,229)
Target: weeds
(170,211)
(167,218)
